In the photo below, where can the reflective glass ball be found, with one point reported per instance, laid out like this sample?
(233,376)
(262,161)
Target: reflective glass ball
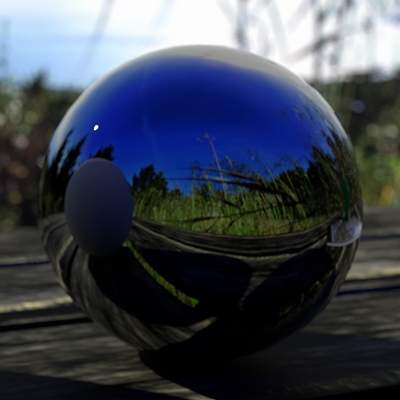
(201,202)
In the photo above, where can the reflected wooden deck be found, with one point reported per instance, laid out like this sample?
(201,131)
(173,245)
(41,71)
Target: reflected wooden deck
(49,350)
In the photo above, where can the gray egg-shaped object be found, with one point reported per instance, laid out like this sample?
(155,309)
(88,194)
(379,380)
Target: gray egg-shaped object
(98,207)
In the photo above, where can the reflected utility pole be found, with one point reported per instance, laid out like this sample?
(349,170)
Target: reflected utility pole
(210,141)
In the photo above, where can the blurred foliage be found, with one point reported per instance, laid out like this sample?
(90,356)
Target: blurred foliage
(368,106)
(28,116)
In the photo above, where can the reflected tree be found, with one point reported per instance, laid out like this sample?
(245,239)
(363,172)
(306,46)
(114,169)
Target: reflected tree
(106,153)
(148,179)
(60,170)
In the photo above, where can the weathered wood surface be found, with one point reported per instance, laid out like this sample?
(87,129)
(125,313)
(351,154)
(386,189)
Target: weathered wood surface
(49,350)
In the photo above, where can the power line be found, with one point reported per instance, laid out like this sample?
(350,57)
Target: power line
(95,38)
(100,27)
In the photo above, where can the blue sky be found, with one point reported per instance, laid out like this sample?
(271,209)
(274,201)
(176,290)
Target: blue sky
(57,35)
(146,123)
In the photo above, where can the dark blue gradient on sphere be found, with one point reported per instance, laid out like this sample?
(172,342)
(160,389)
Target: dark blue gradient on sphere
(246,203)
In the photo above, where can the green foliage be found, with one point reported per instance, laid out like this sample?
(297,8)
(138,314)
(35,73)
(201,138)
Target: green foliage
(380,179)
(148,179)
(367,105)
(257,215)
(28,116)
(229,202)
(369,108)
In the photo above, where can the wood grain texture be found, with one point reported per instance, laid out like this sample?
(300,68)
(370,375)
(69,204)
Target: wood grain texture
(49,350)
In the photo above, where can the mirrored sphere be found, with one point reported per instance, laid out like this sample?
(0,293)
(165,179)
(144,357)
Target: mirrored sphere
(201,201)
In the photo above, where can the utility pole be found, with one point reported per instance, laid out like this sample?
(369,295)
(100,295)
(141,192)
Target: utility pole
(4,48)
(242,24)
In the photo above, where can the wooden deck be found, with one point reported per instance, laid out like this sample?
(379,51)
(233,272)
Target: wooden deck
(50,350)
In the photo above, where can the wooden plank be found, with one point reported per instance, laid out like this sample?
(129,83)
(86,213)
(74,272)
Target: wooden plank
(354,345)
(48,349)
(21,245)
(25,285)
(378,256)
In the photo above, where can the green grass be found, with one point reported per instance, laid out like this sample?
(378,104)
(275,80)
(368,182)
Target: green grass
(242,213)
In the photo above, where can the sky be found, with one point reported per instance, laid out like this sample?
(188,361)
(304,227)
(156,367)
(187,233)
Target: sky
(148,124)
(61,37)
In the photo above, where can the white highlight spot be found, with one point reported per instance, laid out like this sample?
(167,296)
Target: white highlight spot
(96,127)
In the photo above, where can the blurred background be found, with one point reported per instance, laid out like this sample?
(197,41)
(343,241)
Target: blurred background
(51,50)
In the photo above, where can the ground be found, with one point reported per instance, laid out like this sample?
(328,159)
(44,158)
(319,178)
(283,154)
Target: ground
(50,350)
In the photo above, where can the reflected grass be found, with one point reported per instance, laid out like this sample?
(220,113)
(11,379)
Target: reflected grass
(243,213)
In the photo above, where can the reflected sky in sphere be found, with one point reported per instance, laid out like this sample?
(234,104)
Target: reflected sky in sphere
(201,112)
